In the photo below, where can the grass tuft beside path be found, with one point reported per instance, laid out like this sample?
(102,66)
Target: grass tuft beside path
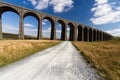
(13,50)
(104,56)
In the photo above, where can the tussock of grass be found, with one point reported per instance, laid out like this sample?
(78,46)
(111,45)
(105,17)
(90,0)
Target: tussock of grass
(104,56)
(13,50)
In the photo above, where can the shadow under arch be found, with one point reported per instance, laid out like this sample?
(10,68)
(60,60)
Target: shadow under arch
(94,35)
(80,33)
(71,38)
(85,34)
(90,35)
(63,31)
(98,35)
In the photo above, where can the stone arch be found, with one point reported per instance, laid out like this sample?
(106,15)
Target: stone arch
(90,35)
(63,33)
(36,17)
(49,19)
(86,34)
(31,14)
(94,35)
(2,10)
(80,33)
(71,38)
(53,28)
(7,8)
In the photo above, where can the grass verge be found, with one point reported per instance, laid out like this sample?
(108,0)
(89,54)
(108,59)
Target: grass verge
(104,56)
(13,50)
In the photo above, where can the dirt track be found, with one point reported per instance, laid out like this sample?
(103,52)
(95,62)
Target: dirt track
(62,62)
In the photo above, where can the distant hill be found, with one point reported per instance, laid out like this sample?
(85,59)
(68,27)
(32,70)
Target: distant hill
(15,36)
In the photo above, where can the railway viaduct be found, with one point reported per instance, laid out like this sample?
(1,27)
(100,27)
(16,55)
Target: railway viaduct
(78,32)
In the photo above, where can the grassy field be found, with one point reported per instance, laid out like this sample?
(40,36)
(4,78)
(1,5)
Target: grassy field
(13,50)
(104,56)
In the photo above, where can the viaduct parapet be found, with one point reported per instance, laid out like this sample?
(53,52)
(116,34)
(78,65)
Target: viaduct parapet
(78,32)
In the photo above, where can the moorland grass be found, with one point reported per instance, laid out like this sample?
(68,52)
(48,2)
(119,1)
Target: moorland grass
(104,56)
(13,50)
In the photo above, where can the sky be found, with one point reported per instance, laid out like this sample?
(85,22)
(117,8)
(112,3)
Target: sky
(100,14)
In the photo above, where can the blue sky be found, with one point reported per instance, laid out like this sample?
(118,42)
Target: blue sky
(100,14)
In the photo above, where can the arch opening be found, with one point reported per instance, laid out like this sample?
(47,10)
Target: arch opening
(10,24)
(30,27)
(94,35)
(63,29)
(46,29)
(53,28)
(58,31)
(68,32)
(98,35)
(90,35)
(80,33)
(71,32)
(31,14)
(85,34)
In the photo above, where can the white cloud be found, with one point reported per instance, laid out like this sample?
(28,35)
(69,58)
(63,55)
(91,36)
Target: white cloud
(33,2)
(42,4)
(101,10)
(58,34)
(114,32)
(118,8)
(10,29)
(98,2)
(109,18)
(47,30)
(28,31)
(105,12)
(44,22)
(61,5)
(13,29)
(24,2)
(68,29)
(59,25)
(58,5)
(28,25)
(58,31)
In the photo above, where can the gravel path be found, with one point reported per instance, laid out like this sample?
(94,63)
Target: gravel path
(62,62)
